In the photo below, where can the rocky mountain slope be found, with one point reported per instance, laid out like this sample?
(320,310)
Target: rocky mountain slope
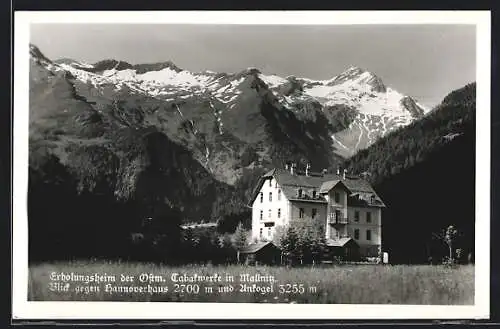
(114,146)
(106,150)
(244,120)
(425,173)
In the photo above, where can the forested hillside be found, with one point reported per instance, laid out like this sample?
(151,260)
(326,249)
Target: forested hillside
(121,154)
(425,173)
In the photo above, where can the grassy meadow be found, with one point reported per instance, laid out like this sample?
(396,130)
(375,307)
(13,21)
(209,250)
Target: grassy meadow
(342,284)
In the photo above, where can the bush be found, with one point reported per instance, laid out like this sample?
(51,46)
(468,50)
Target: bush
(302,242)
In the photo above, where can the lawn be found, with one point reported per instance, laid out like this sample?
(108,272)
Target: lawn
(342,284)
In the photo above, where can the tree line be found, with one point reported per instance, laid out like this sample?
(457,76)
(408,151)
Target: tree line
(425,174)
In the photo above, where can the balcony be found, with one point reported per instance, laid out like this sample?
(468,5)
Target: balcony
(337,218)
(335,236)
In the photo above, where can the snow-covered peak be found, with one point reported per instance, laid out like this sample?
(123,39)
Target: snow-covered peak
(354,70)
(355,75)
(378,109)
(77,64)
(250,71)
(272,81)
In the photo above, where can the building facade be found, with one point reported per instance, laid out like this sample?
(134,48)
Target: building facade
(347,207)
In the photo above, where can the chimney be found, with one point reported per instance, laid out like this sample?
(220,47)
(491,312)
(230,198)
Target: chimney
(343,175)
(292,168)
(308,167)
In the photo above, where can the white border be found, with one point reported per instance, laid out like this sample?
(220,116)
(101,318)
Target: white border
(22,309)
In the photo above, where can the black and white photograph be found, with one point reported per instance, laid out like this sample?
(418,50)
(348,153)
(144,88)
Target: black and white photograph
(332,159)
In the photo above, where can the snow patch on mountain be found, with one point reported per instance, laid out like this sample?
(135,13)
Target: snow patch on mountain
(379,109)
(272,80)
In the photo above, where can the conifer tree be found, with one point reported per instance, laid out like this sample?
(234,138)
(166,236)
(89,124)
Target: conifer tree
(239,240)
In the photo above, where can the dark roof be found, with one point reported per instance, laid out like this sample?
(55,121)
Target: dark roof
(254,247)
(290,184)
(339,242)
(328,185)
(364,199)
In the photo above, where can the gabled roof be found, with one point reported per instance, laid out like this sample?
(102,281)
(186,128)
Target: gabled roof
(364,199)
(254,247)
(339,242)
(328,185)
(320,183)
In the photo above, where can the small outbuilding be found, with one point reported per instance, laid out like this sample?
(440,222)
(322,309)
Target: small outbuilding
(265,252)
(345,248)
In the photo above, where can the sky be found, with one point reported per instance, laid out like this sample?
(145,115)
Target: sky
(422,61)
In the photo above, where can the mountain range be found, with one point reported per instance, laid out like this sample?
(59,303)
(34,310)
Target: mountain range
(234,121)
(113,144)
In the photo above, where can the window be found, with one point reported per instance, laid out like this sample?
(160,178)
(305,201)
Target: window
(301,213)
(314,211)
(261,197)
(271,182)
(337,197)
(300,193)
(270,196)
(279,195)
(368,217)
(260,232)
(356,234)
(269,232)
(269,213)
(368,235)
(356,216)
(261,214)
(279,212)
(314,194)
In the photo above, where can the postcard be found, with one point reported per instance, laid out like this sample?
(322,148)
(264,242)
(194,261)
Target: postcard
(251,164)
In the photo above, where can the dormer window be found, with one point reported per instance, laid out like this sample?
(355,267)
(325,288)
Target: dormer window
(314,194)
(299,193)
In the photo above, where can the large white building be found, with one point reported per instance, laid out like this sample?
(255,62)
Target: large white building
(347,207)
